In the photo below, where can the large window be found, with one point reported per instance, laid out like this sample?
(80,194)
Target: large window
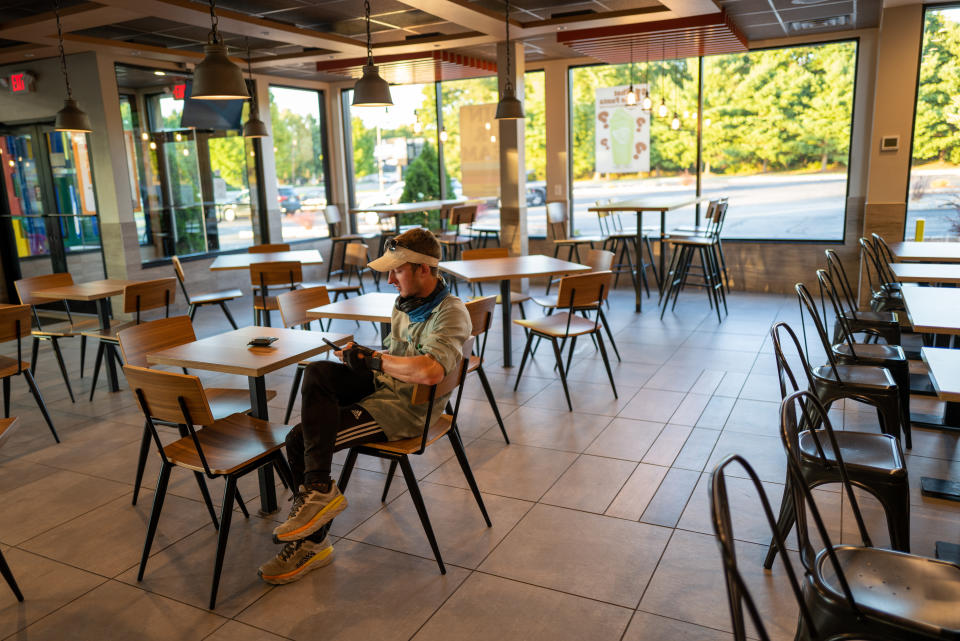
(776,139)
(298,148)
(625,152)
(934,190)
(190,173)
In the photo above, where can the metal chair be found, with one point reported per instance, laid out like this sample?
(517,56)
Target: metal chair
(220,298)
(875,461)
(882,324)
(339,237)
(481,317)
(15,325)
(356,258)
(885,291)
(557,227)
(6,429)
(230,447)
(857,591)
(435,428)
(452,242)
(705,247)
(868,384)
(263,276)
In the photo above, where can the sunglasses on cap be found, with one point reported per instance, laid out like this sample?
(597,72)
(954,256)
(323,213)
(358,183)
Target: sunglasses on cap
(392,244)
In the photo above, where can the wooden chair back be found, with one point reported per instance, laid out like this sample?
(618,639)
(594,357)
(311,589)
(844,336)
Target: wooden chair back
(584,290)
(178,269)
(268,248)
(27,286)
(481,314)
(294,305)
(463,215)
(14,323)
(426,393)
(557,219)
(356,254)
(485,252)
(163,392)
(138,341)
(599,260)
(284,272)
(149,294)
(331,213)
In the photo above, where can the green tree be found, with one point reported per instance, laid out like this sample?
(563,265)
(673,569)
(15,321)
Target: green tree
(937,128)
(422,183)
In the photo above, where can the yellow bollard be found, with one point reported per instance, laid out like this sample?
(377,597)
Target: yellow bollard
(918,232)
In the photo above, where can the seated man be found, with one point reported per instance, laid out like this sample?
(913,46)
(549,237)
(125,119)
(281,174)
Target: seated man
(367,398)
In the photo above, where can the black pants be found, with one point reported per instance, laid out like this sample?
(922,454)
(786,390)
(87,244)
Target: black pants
(330,420)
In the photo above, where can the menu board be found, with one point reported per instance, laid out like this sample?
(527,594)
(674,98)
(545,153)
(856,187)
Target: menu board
(622,139)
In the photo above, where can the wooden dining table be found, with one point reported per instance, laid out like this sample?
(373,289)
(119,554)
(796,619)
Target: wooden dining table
(639,206)
(397,210)
(503,269)
(243,261)
(376,307)
(925,252)
(228,353)
(99,291)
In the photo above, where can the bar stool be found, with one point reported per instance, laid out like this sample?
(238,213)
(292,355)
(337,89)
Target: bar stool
(557,226)
(339,237)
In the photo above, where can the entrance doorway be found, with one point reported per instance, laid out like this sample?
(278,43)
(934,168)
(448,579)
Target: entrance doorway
(48,212)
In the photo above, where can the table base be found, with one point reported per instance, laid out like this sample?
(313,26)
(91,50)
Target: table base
(110,357)
(949,552)
(258,408)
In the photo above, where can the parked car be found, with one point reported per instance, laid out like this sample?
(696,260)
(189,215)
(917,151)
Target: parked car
(237,204)
(289,201)
(536,195)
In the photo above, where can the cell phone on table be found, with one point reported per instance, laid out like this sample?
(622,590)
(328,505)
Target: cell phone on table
(262,341)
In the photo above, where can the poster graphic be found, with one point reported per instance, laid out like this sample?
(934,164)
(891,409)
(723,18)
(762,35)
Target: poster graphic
(622,132)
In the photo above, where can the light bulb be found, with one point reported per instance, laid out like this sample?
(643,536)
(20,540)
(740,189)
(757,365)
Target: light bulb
(686,114)
(417,127)
(11,163)
(443,135)
(177,137)
(486,126)
(706,122)
(662,109)
(631,96)
(493,139)
(186,152)
(153,145)
(144,136)
(647,102)
(675,123)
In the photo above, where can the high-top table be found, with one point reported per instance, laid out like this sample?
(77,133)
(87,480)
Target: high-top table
(926,252)
(243,261)
(639,206)
(932,273)
(99,291)
(228,353)
(503,269)
(933,310)
(376,307)
(395,211)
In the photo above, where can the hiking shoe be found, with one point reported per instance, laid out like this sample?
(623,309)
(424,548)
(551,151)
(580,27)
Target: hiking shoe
(295,560)
(312,509)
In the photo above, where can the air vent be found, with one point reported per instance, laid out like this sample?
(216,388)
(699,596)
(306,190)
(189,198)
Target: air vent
(420,36)
(573,14)
(833,22)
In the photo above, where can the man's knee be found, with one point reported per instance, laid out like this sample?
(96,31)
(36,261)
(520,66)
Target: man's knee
(294,440)
(319,375)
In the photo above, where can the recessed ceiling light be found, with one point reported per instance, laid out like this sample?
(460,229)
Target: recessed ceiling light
(808,1)
(29,55)
(159,73)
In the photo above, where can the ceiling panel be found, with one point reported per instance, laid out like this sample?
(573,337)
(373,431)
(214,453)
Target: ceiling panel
(763,19)
(415,68)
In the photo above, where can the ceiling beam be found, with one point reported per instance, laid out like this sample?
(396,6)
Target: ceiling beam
(462,13)
(43,27)
(232,22)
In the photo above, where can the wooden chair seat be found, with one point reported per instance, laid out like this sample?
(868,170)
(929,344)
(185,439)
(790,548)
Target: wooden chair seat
(867,376)
(515,298)
(8,366)
(698,241)
(549,303)
(350,237)
(66,329)
(7,426)
(229,444)
(474,364)
(453,239)
(485,227)
(111,334)
(216,297)
(268,303)
(333,286)
(556,325)
(411,445)
(227,401)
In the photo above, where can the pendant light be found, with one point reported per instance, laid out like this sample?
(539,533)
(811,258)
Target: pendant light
(71,118)
(509,108)
(216,78)
(631,96)
(662,109)
(371,90)
(675,123)
(254,127)
(646,102)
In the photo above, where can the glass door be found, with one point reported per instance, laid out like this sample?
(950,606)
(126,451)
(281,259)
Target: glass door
(48,213)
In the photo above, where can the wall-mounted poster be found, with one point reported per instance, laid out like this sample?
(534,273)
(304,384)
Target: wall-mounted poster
(622,132)
(479,151)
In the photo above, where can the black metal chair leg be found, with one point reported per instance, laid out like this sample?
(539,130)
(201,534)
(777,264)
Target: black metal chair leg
(563,376)
(63,367)
(96,368)
(6,397)
(493,402)
(141,462)
(192,311)
(39,399)
(414,491)
(606,363)
(784,521)
(298,375)
(206,499)
(457,443)
(34,352)
(241,504)
(229,495)
(162,482)
(347,469)
(386,485)
(226,311)
(606,326)
(11,581)
(83,353)
(523,360)
(573,346)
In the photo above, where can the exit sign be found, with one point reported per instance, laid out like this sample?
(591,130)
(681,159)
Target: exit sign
(179,91)
(21,82)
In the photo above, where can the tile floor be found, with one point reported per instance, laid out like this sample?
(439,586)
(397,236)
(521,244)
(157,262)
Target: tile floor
(600,522)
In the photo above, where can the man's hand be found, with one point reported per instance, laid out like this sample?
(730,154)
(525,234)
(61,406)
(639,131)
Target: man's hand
(360,358)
